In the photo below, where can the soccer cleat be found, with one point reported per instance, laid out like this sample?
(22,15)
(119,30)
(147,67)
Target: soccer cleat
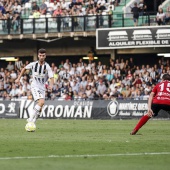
(134,132)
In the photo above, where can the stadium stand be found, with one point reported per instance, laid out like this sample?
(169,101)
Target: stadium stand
(73,16)
(88,81)
(106,81)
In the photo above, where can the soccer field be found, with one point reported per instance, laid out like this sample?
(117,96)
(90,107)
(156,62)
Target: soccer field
(84,145)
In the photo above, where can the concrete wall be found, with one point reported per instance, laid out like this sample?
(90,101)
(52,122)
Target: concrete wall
(65,47)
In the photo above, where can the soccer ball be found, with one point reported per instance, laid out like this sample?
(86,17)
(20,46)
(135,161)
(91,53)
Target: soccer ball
(30,127)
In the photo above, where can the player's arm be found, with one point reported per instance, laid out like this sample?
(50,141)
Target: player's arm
(20,75)
(28,67)
(51,77)
(51,83)
(150,112)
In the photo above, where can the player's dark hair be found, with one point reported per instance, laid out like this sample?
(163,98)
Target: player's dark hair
(42,50)
(166,77)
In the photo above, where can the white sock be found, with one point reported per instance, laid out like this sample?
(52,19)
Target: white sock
(35,112)
(36,117)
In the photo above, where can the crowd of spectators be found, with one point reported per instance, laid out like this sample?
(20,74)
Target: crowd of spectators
(55,7)
(121,79)
(162,17)
(11,11)
(16,9)
(140,9)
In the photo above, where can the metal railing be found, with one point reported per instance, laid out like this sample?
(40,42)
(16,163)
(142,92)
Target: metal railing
(72,23)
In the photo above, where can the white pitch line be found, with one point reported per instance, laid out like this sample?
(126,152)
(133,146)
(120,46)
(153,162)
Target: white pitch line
(86,156)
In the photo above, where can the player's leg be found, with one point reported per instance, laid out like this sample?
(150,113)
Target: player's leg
(38,108)
(39,98)
(141,122)
(155,108)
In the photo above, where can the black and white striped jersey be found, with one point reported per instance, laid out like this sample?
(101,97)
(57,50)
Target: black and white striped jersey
(40,74)
(18,64)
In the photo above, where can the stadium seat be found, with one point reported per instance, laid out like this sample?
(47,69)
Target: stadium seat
(48,15)
(0,24)
(40,23)
(91,21)
(47,3)
(27,5)
(28,24)
(31,16)
(52,24)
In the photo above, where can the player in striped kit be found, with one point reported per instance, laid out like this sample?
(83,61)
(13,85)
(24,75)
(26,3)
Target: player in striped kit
(41,71)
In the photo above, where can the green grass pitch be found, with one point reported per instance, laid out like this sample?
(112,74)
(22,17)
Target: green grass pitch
(84,145)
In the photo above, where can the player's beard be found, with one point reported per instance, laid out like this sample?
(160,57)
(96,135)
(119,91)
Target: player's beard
(41,61)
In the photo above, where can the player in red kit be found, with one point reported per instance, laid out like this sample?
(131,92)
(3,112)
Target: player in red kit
(159,99)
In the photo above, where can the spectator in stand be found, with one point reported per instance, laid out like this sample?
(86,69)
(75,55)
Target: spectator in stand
(112,85)
(2,72)
(61,72)
(109,76)
(138,95)
(36,14)
(129,76)
(18,64)
(10,66)
(142,7)
(160,17)
(131,63)
(101,88)
(16,8)
(67,64)
(20,91)
(110,9)
(90,82)
(13,75)
(35,7)
(3,18)
(43,8)
(153,73)
(126,81)
(148,88)
(15,21)
(136,80)
(118,72)
(135,10)
(88,91)
(61,64)
(122,64)
(14,91)
(105,96)
(146,95)
(75,86)
(2,9)
(81,89)
(146,76)
(167,18)
(52,7)
(55,72)
(66,75)
(26,86)
(84,82)
(64,5)
(137,71)
(1,78)
(126,92)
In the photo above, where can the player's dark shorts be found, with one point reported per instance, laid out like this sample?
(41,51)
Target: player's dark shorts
(157,107)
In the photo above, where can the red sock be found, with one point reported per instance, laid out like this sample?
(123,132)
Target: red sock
(142,121)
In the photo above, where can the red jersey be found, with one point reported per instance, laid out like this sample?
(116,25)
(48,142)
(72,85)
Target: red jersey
(162,93)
